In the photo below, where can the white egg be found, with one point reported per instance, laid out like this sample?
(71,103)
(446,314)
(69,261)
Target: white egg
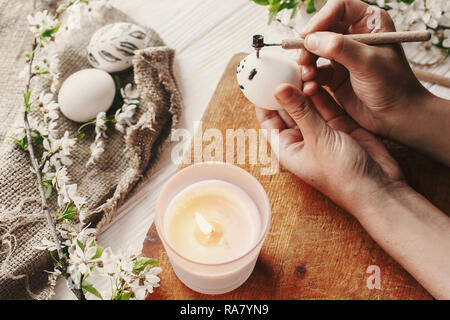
(258,78)
(86,93)
(112,47)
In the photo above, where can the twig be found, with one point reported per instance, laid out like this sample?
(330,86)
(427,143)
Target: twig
(38,170)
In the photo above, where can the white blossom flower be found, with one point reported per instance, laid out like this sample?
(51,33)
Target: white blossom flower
(122,269)
(130,94)
(48,106)
(110,265)
(68,194)
(40,21)
(66,143)
(100,124)
(73,17)
(446,42)
(93,8)
(97,147)
(51,111)
(58,150)
(46,244)
(145,282)
(35,125)
(60,179)
(83,214)
(123,116)
(47,67)
(44,99)
(150,279)
(86,233)
(81,258)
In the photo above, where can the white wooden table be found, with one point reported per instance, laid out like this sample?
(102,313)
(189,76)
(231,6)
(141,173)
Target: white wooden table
(205,35)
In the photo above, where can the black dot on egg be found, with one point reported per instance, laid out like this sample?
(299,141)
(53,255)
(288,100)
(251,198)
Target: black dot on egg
(252,74)
(241,86)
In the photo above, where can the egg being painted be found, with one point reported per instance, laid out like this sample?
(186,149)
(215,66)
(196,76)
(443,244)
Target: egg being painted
(86,93)
(112,47)
(258,78)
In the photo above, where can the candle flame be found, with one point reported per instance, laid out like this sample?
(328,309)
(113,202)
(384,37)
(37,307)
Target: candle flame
(205,227)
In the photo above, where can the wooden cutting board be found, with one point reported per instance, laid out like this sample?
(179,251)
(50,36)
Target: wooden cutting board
(314,249)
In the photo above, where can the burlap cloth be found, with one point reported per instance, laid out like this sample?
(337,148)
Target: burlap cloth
(127,160)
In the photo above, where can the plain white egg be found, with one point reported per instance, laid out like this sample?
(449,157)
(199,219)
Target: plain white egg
(86,93)
(258,78)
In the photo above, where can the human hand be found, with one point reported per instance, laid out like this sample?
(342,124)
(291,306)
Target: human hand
(328,150)
(323,146)
(374,84)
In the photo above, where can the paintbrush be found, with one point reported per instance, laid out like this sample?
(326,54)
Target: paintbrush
(367,38)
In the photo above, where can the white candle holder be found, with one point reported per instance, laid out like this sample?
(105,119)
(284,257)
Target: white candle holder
(213,278)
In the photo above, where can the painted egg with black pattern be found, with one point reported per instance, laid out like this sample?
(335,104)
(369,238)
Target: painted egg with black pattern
(259,77)
(112,47)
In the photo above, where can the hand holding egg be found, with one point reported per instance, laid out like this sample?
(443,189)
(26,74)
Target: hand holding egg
(258,77)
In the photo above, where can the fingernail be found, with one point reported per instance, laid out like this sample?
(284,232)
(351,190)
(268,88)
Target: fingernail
(285,94)
(302,54)
(312,42)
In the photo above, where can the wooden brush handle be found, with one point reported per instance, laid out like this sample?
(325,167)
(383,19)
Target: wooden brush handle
(370,38)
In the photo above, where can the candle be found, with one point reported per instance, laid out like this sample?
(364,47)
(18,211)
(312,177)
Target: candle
(212,219)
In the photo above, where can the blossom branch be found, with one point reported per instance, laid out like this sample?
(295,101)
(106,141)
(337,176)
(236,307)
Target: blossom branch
(78,254)
(38,171)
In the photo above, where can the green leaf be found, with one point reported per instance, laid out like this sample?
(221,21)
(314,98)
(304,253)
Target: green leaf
(142,263)
(22,143)
(275,6)
(80,245)
(37,139)
(262,2)
(88,287)
(26,97)
(126,296)
(98,253)
(294,12)
(123,296)
(310,6)
(47,33)
(81,136)
(47,191)
(69,212)
(272,16)
(118,82)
